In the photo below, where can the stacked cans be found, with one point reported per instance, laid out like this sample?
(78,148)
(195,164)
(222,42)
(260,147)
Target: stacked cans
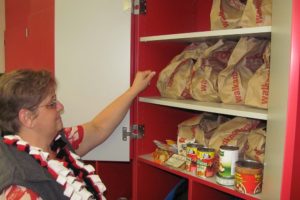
(200,160)
(245,175)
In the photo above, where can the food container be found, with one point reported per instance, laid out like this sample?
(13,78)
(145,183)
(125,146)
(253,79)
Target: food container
(205,162)
(248,176)
(191,157)
(228,155)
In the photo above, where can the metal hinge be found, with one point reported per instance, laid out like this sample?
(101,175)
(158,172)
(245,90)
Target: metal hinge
(136,132)
(139,7)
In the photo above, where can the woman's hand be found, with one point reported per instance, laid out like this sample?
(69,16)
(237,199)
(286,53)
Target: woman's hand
(142,80)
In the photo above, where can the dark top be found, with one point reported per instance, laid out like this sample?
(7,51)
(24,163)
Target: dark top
(19,168)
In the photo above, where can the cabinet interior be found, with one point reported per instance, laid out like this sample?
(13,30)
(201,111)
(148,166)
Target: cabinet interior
(163,33)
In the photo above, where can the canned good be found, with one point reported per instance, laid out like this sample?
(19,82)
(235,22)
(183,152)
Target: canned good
(191,157)
(205,161)
(228,155)
(248,176)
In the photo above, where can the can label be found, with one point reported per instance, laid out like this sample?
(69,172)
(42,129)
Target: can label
(248,176)
(191,160)
(224,181)
(248,183)
(228,157)
(205,162)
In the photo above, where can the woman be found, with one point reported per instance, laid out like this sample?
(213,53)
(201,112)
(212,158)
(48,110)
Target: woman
(39,159)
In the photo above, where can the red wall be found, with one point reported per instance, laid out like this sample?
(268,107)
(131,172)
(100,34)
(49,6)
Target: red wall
(29,34)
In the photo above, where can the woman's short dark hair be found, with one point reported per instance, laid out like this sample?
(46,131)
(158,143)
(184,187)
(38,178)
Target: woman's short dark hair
(22,89)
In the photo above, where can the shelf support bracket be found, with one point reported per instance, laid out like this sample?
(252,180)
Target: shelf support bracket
(136,132)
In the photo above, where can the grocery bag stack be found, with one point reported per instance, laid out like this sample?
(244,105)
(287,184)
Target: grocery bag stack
(223,71)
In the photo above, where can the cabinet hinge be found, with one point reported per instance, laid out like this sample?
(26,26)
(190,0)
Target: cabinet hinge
(139,7)
(136,132)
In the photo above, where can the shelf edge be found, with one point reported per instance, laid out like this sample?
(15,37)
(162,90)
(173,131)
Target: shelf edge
(235,110)
(257,31)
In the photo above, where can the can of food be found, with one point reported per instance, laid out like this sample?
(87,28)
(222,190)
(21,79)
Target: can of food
(224,180)
(205,162)
(191,157)
(248,176)
(228,155)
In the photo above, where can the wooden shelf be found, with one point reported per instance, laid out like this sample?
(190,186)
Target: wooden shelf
(210,182)
(220,108)
(263,31)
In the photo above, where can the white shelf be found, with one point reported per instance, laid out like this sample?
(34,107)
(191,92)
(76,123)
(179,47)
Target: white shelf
(220,108)
(263,31)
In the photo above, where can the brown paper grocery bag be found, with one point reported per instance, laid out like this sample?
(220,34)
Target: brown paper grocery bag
(257,94)
(175,79)
(226,14)
(255,149)
(204,80)
(233,132)
(187,132)
(257,13)
(245,59)
(196,129)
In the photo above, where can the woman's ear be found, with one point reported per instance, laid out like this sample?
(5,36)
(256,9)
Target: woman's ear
(26,118)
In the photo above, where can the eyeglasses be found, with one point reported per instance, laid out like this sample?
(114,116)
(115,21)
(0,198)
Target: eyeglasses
(51,105)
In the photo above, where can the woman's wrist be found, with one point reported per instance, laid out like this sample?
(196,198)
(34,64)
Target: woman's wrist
(133,92)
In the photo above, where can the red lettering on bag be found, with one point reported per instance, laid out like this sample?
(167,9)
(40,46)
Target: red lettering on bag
(259,17)
(264,99)
(235,87)
(223,18)
(265,89)
(234,133)
(258,154)
(203,85)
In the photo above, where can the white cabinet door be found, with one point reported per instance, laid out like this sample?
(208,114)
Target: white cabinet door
(92,65)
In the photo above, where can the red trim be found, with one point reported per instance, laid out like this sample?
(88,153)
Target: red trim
(8,141)
(22,147)
(81,134)
(15,193)
(71,133)
(292,115)
(133,111)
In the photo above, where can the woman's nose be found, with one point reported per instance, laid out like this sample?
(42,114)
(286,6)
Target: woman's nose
(59,106)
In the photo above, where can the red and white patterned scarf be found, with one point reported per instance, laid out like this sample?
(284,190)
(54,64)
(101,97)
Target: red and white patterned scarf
(78,180)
